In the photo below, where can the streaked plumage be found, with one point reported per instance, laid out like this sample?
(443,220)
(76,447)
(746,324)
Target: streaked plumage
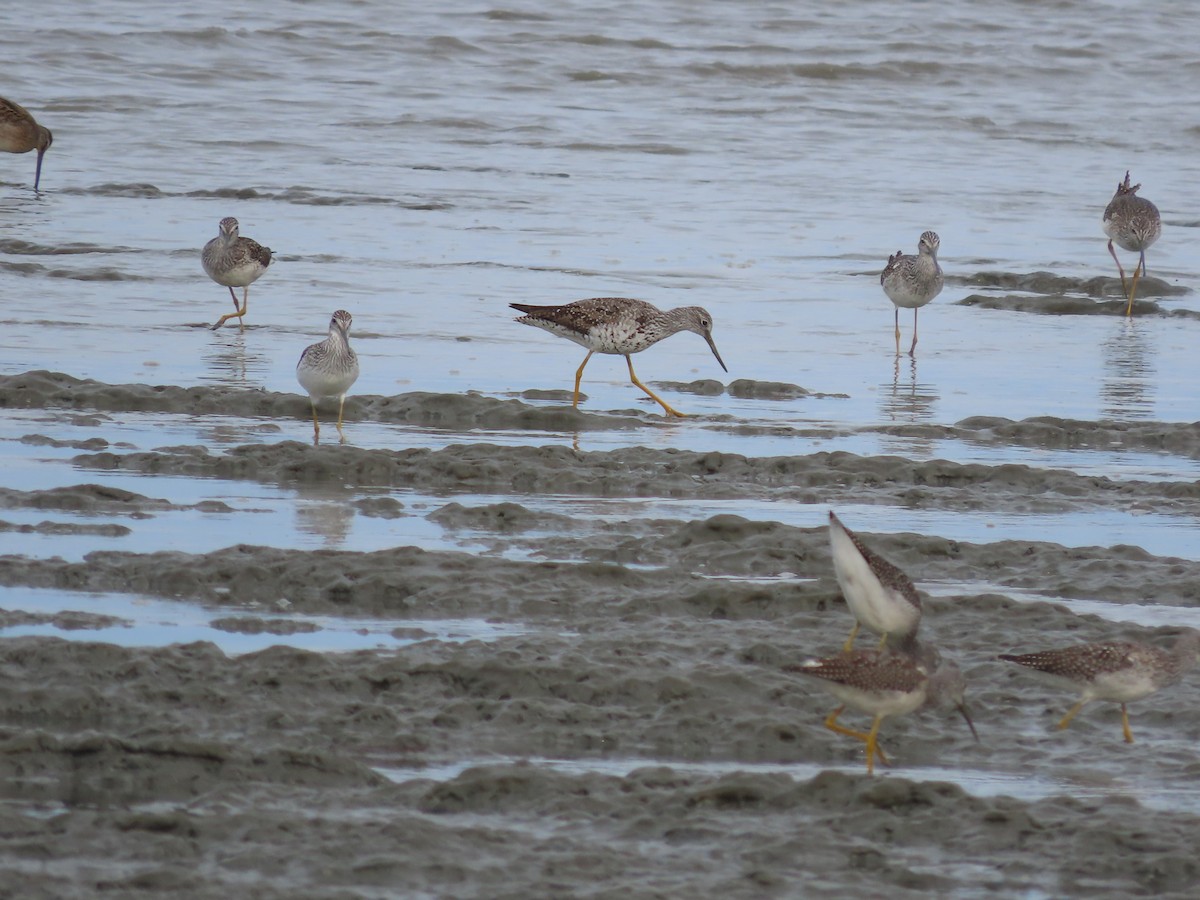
(1134,223)
(329,369)
(880,596)
(619,326)
(882,683)
(234,261)
(20,133)
(912,281)
(1120,671)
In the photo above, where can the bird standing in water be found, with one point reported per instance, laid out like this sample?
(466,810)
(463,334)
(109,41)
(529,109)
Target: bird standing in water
(1134,223)
(20,133)
(234,261)
(619,326)
(329,369)
(912,281)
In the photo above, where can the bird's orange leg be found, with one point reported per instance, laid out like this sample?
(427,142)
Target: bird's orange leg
(831,722)
(238,313)
(1074,711)
(653,396)
(579,378)
(1141,267)
(1125,725)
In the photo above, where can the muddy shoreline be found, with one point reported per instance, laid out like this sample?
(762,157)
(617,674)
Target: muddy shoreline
(637,737)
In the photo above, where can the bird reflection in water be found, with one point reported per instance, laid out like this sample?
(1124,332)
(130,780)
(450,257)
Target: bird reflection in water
(906,401)
(228,362)
(328,519)
(1129,376)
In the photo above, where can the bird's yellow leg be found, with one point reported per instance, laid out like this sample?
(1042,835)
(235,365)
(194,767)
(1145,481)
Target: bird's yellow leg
(341,406)
(1141,267)
(831,722)
(1120,269)
(653,396)
(873,745)
(1074,711)
(579,378)
(897,331)
(882,642)
(238,313)
(849,645)
(316,423)
(1125,725)
(913,348)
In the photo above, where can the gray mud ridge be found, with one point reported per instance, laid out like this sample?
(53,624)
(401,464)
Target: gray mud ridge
(1050,284)
(1065,305)
(52,390)
(824,477)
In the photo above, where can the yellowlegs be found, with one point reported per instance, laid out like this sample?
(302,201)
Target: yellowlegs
(912,281)
(879,595)
(621,327)
(234,262)
(1134,223)
(20,133)
(329,369)
(1121,671)
(882,683)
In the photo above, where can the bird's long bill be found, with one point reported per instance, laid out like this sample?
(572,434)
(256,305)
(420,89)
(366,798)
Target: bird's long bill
(713,348)
(962,708)
(37,175)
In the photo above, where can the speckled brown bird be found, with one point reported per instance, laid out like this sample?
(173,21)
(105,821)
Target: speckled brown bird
(1120,671)
(879,594)
(1134,223)
(20,133)
(620,326)
(234,261)
(883,683)
(912,281)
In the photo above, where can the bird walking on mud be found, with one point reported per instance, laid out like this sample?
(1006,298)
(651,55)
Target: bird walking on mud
(1120,671)
(883,683)
(879,594)
(912,281)
(619,326)
(329,369)
(1134,223)
(20,133)
(234,261)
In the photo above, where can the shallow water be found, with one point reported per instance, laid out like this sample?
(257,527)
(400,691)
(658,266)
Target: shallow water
(425,167)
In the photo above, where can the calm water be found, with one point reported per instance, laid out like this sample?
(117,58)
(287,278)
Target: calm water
(424,167)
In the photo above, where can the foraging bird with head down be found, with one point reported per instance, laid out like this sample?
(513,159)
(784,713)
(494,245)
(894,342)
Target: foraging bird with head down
(20,133)
(619,326)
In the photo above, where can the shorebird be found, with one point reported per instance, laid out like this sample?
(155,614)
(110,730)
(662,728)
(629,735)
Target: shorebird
(1121,671)
(20,133)
(882,683)
(621,327)
(329,369)
(234,262)
(912,281)
(1134,223)
(878,593)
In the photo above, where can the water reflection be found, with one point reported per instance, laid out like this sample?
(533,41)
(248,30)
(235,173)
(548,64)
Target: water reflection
(227,361)
(1125,389)
(325,512)
(906,401)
